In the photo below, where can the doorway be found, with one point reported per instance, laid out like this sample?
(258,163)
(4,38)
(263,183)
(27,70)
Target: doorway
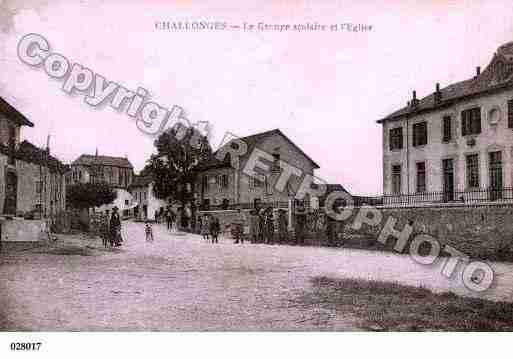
(11,193)
(495,168)
(448,176)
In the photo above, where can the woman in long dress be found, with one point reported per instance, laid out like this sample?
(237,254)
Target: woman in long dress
(115,228)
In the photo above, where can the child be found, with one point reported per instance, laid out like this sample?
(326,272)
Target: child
(205,226)
(149,232)
(215,228)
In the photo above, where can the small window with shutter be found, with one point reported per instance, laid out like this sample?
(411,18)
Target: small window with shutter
(510,114)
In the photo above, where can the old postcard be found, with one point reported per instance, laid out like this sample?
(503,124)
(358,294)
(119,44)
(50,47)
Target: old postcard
(275,166)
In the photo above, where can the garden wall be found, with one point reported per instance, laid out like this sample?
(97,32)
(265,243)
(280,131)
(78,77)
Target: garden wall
(479,231)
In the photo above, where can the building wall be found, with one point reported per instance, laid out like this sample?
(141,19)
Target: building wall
(492,138)
(4,130)
(111,175)
(214,191)
(143,196)
(53,194)
(154,204)
(247,193)
(124,201)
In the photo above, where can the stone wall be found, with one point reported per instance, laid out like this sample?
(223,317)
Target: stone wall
(19,230)
(225,217)
(481,231)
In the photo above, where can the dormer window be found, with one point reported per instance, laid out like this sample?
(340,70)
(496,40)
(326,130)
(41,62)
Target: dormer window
(276,162)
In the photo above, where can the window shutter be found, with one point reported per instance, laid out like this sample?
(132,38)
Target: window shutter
(510,114)
(477,121)
(464,123)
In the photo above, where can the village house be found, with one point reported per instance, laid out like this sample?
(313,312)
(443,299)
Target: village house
(455,144)
(115,171)
(147,205)
(219,185)
(31,180)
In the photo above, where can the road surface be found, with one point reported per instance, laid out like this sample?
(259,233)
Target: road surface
(180,282)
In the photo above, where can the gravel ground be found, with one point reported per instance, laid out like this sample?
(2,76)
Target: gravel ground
(180,282)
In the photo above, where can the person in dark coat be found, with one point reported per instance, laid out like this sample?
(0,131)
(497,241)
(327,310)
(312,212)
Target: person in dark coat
(115,227)
(282,225)
(254,226)
(215,228)
(261,225)
(269,226)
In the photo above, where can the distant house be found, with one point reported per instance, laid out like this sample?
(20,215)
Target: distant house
(147,205)
(219,184)
(116,171)
(30,178)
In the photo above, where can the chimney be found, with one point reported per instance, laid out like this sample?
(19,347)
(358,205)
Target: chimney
(414,100)
(438,94)
(478,71)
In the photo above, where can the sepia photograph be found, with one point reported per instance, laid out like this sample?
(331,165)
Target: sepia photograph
(278,168)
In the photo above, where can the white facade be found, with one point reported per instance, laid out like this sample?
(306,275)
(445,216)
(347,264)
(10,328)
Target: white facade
(124,202)
(453,160)
(147,204)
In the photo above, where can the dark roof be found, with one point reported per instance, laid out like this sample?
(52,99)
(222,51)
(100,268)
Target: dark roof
(497,76)
(141,181)
(30,153)
(251,141)
(331,187)
(89,160)
(13,114)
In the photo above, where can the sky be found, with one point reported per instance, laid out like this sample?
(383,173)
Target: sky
(324,90)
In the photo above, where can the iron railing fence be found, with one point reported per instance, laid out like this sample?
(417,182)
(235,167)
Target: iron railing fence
(249,205)
(473,196)
(466,197)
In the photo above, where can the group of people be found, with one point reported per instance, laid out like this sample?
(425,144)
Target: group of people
(210,227)
(167,215)
(265,226)
(261,226)
(111,230)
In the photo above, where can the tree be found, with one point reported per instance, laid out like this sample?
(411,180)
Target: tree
(180,150)
(87,195)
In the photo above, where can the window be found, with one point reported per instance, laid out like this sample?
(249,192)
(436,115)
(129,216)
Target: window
(472,171)
(420,134)
(396,179)
(276,163)
(421,177)
(255,182)
(38,187)
(396,138)
(126,202)
(223,181)
(510,114)
(471,121)
(206,204)
(225,203)
(447,129)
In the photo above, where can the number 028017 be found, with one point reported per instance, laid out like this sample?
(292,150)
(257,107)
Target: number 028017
(26,346)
